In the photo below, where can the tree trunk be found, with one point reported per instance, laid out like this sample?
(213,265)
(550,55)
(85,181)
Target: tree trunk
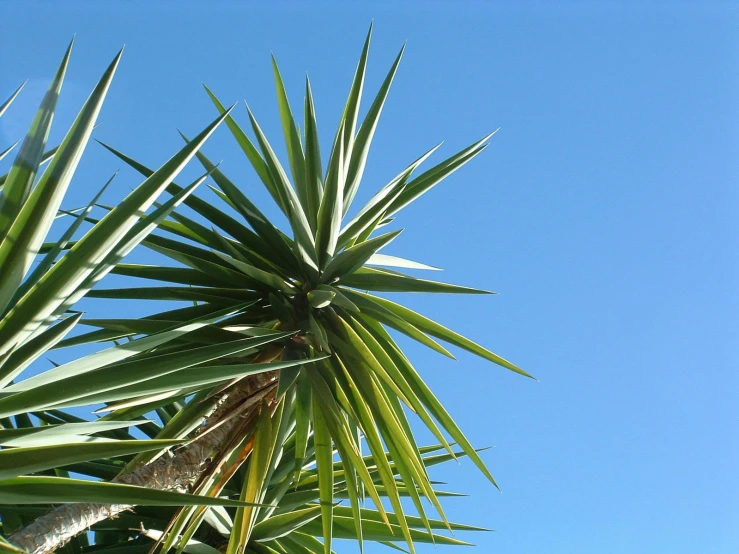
(175,473)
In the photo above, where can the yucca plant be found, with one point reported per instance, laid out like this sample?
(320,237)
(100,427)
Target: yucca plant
(284,366)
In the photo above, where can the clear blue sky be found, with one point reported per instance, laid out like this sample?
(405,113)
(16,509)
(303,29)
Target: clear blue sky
(604,213)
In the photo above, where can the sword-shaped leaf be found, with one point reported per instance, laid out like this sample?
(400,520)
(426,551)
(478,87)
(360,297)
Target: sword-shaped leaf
(209,294)
(424,182)
(394,261)
(59,433)
(292,139)
(330,212)
(313,167)
(27,353)
(343,528)
(57,490)
(324,462)
(350,115)
(15,462)
(7,151)
(384,280)
(253,484)
(361,144)
(303,421)
(23,172)
(284,524)
(5,105)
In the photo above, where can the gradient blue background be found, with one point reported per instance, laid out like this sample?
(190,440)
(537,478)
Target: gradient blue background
(604,212)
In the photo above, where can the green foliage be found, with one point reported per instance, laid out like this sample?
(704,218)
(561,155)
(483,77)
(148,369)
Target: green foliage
(35,307)
(260,303)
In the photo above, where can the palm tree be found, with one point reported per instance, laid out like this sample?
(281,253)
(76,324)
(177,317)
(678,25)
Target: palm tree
(280,371)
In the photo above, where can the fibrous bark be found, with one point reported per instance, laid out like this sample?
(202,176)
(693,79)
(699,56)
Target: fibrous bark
(175,473)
